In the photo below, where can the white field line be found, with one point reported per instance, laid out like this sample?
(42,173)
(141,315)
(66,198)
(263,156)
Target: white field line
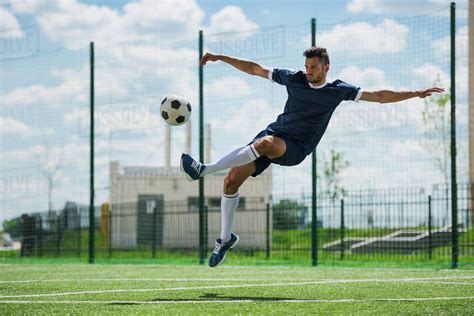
(344,300)
(233,286)
(260,271)
(216,279)
(444,282)
(135,279)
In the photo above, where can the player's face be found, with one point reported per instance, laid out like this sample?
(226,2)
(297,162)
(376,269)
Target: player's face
(315,71)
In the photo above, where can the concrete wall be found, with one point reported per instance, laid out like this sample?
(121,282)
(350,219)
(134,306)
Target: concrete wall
(471,102)
(180,227)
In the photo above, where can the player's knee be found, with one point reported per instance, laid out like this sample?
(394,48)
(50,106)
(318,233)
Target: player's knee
(264,145)
(231,183)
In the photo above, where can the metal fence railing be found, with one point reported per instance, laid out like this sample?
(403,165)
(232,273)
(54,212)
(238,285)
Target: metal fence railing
(392,226)
(127,160)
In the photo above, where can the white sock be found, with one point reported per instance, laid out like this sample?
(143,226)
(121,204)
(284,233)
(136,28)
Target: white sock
(229,204)
(238,157)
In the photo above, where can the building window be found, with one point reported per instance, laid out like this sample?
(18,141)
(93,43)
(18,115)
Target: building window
(150,206)
(213,204)
(241,204)
(193,204)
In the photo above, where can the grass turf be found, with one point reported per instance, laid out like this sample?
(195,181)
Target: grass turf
(168,289)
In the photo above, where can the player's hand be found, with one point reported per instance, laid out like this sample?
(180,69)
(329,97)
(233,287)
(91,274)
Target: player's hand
(207,57)
(430,91)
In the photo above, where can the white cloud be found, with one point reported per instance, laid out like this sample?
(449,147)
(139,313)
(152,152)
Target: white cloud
(165,19)
(231,19)
(225,87)
(270,14)
(121,73)
(396,6)
(145,20)
(388,36)
(254,114)
(110,119)
(73,88)
(442,46)
(371,117)
(462,80)
(9,25)
(13,127)
(428,73)
(32,6)
(371,78)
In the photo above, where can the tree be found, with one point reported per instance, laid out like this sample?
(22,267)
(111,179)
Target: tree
(436,119)
(437,131)
(332,169)
(286,214)
(49,161)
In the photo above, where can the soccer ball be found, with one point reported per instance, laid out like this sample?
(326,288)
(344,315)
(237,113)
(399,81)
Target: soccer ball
(175,110)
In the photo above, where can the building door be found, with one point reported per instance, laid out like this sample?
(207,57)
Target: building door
(150,219)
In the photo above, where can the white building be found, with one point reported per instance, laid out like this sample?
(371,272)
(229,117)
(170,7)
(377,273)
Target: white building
(159,205)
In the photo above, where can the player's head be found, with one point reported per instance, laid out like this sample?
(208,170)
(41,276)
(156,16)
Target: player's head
(316,64)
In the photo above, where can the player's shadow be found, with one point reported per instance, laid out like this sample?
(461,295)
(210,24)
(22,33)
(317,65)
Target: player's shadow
(211,297)
(218,297)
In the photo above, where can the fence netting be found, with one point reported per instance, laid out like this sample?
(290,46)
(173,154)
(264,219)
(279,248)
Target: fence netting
(383,170)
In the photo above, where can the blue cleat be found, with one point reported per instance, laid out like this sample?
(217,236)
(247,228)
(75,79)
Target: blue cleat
(190,167)
(220,250)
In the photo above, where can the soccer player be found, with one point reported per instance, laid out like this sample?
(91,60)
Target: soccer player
(294,135)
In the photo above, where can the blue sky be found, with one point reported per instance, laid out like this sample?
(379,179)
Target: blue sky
(147,49)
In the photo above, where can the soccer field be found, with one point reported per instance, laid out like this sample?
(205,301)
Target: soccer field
(165,289)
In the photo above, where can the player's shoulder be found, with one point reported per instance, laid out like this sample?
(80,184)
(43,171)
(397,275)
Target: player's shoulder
(336,82)
(289,71)
(299,75)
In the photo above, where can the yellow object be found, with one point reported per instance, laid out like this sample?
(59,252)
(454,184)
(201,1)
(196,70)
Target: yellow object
(104,225)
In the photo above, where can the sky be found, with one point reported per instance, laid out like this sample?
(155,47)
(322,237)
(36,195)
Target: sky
(147,49)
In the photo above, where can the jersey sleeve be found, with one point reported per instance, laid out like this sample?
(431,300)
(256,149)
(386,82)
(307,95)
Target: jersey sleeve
(349,92)
(281,75)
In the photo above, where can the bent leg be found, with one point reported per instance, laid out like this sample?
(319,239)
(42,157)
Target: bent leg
(230,198)
(237,176)
(271,146)
(238,157)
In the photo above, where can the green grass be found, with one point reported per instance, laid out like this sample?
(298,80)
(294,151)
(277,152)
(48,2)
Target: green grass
(169,289)
(289,247)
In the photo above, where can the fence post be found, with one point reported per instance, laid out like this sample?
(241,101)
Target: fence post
(91,185)
(342,229)
(268,231)
(454,189)
(430,224)
(58,235)
(110,231)
(314,215)
(206,226)
(153,242)
(78,233)
(202,241)
(40,237)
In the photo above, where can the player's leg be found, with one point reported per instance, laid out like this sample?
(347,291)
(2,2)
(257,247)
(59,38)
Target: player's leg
(238,157)
(229,203)
(230,198)
(270,146)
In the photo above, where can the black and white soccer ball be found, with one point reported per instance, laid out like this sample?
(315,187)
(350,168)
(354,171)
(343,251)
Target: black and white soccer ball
(175,110)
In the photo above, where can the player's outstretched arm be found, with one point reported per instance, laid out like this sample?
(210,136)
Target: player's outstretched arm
(250,67)
(387,96)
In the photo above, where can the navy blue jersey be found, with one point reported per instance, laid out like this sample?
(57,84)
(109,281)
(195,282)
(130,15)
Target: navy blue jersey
(308,108)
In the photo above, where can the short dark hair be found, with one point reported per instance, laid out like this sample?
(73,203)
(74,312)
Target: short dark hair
(317,51)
